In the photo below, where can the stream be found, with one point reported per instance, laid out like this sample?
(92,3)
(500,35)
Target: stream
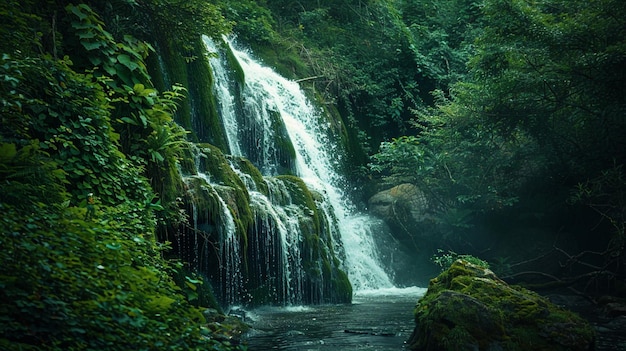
(378,320)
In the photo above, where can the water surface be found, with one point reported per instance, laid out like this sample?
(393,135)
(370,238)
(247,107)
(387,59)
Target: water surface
(380,320)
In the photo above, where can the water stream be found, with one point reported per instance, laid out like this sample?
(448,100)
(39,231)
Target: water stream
(380,320)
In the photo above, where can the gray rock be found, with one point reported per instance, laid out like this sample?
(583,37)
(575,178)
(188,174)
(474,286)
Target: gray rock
(403,205)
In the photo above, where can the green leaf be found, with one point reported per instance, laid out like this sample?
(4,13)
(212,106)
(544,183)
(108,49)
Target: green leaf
(77,12)
(160,303)
(7,150)
(129,120)
(114,246)
(127,61)
(110,70)
(193,281)
(91,45)
(87,35)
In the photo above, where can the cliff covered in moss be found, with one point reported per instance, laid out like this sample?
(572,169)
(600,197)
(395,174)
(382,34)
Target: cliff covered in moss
(107,199)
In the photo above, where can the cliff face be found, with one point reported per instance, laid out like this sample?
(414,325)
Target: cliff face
(254,228)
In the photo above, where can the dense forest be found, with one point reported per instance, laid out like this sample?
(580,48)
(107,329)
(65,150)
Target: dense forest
(507,117)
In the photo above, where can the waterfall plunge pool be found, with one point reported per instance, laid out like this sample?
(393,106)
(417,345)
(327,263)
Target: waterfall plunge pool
(380,320)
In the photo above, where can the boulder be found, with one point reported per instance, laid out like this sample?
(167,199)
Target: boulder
(401,206)
(468,307)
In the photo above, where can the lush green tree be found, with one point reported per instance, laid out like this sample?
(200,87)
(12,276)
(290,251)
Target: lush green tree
(541,114)
(442,35)
(542,87)
(555,70)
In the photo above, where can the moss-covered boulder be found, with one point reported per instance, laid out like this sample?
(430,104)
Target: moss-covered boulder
(468,307)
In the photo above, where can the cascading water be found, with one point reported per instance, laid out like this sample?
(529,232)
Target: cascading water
(226,101)
(229,248)
(268,96)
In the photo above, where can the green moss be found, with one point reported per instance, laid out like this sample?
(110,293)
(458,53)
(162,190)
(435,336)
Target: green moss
(300,193)
(204,198)
(343,287)
(248,168)
(233,63)
(469,304)
(187,162)
(232,190)
(318,260)
(197,114)
(310,224)
(159,78)
(206,121)
(284,60)
(172,69)
(286,152)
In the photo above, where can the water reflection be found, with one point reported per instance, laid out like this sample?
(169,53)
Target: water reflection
(376,320)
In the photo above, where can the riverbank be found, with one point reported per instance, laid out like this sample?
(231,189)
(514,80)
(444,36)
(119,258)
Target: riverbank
(606,317)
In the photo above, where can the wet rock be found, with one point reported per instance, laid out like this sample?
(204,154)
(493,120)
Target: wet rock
(409,214)
(213,315)
(468,307)
(613,306)
(369,332)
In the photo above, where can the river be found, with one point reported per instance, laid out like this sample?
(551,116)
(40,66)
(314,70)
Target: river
(380,320)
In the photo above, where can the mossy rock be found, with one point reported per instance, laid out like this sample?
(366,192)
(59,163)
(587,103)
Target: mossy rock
(283,59)
(227,184)
(245,166)
(468,307)
(198,114)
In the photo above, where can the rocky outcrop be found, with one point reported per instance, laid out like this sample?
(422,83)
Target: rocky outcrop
(409,214)
(258,240)
(401,205)
(468,307)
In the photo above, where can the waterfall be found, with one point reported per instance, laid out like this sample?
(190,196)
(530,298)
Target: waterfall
(229,248)
(226,101)
(275,108)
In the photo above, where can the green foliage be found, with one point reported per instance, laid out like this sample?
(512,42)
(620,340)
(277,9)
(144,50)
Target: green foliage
(253,22)
(121,60)
(18,28)
(68,114)
(185,21)
(528,114)
(464,166)
(540,112)
(28,176)
(441,38)
(142,116)
(115,286)
(542,69)
(89,122)
(399,161)
(445,259)
(194,288)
